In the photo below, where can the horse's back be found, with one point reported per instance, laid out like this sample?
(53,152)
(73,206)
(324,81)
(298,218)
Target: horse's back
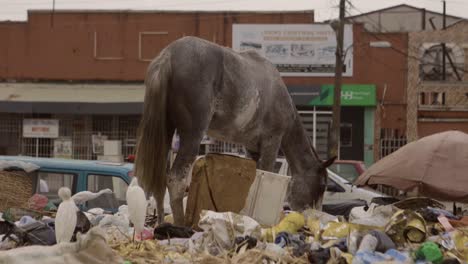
(242,91)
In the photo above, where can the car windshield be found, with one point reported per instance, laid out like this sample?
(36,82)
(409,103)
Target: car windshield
(346,171)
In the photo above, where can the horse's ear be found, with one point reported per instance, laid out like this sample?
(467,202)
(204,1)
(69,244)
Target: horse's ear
(327,163)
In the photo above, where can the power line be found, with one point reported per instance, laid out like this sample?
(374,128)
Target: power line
(420,60)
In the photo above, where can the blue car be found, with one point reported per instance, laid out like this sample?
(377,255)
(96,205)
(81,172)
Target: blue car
(80,175)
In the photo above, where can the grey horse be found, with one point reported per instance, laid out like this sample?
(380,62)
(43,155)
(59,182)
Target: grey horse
(197,87)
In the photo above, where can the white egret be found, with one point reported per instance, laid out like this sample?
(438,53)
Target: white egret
(136,201)
(65,220)
(84,196)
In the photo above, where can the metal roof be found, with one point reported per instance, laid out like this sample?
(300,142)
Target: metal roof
(73,93)
(71,98)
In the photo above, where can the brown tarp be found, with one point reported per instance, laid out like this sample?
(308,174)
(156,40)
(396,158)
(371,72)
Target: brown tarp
(436,165)
(219,183)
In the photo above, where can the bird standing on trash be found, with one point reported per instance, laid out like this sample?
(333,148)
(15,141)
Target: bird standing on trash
(136,201)
(84,196)
(65,220)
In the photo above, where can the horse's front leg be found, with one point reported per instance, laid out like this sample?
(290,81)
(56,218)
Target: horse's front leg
(178,176)
(268,153)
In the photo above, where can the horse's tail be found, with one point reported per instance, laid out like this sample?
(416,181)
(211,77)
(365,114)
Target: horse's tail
(153,140)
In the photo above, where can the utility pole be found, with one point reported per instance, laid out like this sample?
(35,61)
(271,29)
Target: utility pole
(444,49)
(336,118)
(53,13)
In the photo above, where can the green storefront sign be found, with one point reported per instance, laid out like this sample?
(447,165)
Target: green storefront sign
(351,95)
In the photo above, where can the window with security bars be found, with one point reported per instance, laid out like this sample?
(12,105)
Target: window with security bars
(225,147)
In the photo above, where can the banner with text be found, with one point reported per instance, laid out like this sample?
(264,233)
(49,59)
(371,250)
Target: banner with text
(296,49)
(322,95)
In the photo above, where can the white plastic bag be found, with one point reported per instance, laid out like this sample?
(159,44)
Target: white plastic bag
(223,228)
(374,216)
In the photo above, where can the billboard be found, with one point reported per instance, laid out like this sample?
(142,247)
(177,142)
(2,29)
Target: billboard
(296,49)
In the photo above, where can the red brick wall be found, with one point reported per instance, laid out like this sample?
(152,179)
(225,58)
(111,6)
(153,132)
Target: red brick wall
(384,67)
(37,49)
(429,128)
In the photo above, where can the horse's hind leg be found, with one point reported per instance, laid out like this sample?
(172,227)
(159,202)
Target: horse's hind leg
(177,180)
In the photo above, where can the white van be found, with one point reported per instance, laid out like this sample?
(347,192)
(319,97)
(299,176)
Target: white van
(338,189)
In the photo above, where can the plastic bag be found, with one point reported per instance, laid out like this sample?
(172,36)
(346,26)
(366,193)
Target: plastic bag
(50,206)
(223,228)
(431,252)
(38,202)
(38,233)
(374,216)
(291,223)
(119,221)
(337,230)
(15,214)
(461,244)
(26,220)
(168,231)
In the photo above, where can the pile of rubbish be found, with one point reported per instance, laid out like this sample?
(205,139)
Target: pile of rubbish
(405,232)
(246,224)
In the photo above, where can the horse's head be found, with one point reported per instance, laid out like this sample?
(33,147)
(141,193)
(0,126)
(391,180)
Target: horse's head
(307,187)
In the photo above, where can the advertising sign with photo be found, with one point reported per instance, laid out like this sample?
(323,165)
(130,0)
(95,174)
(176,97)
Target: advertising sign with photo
(63,148)
(296,49)
(98,143)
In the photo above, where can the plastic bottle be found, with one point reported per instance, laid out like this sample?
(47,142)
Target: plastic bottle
(368,243)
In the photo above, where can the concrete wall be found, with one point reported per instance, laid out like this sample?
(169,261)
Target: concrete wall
(453,114)
(402,19)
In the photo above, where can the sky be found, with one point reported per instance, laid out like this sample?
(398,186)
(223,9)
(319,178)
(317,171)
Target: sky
(324,9)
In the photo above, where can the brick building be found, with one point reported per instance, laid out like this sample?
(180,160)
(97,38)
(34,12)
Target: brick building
(85,69)
(436,101)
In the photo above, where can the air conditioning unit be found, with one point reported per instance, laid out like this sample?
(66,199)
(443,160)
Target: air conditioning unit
(112,148)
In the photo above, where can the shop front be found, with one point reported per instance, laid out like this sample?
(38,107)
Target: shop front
(358,102)
(69,120)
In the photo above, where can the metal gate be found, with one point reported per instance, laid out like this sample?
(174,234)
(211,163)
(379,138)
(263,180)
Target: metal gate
(318,124)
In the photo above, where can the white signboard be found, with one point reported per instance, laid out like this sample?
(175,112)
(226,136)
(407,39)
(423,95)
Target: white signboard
(63,148)
(40,128)
(296,49)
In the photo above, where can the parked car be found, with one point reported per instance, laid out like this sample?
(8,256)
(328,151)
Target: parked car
(80,175)
(348,169)
(339,189)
